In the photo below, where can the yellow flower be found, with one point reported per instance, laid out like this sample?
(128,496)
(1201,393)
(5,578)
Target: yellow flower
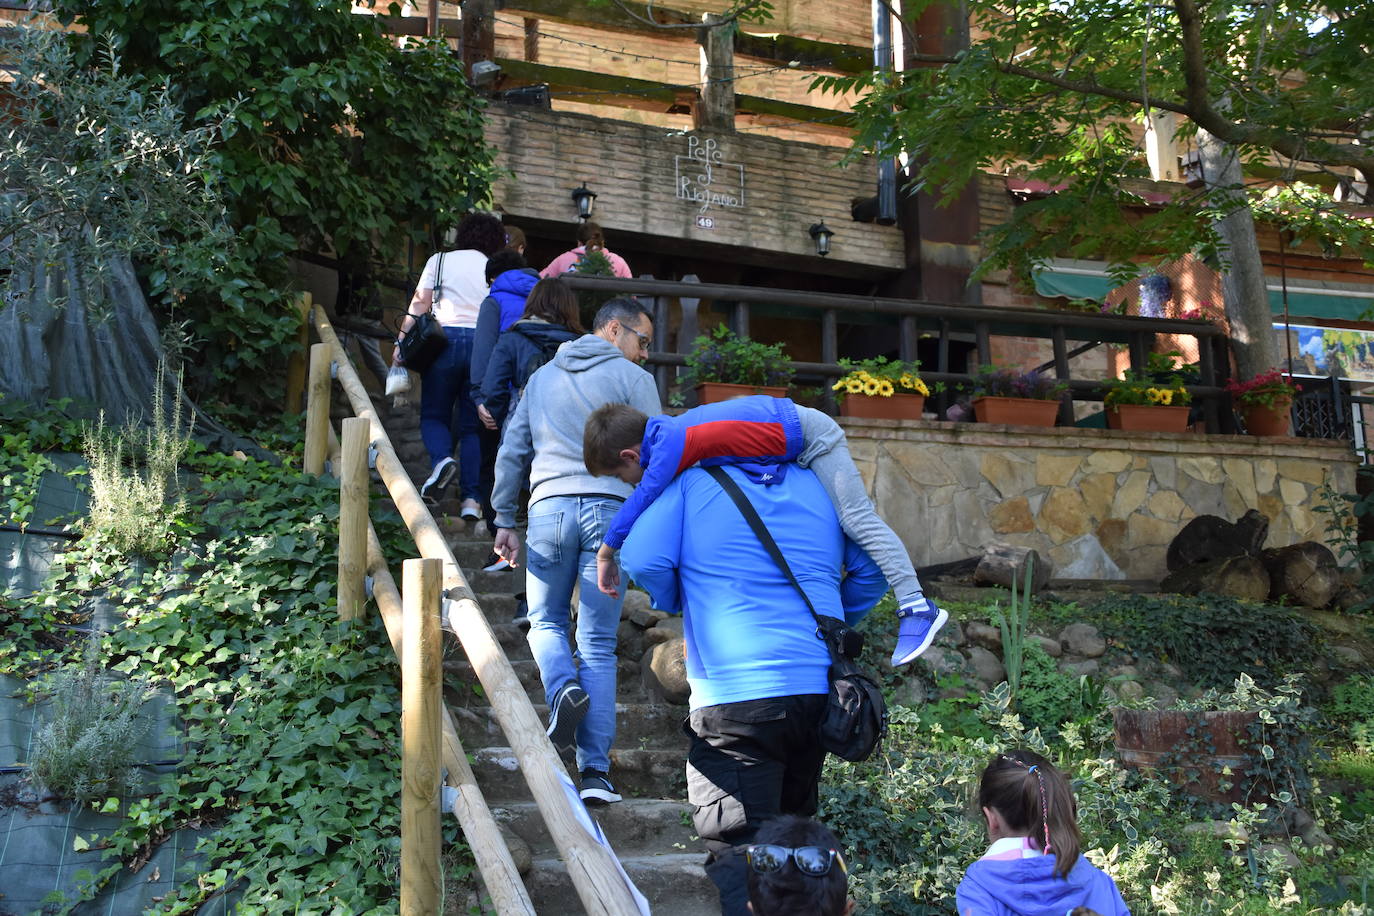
(920,388)
(870,387)
(907,381)
(854,386)
(885,388)
(1166,397)
(1154,395)
(838,385)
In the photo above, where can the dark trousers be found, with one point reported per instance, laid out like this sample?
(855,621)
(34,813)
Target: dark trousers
(490,442)
(748,762)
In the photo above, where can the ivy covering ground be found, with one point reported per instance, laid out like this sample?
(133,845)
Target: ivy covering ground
(292,762)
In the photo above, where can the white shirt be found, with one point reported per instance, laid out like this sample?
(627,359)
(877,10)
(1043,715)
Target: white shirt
(464,286)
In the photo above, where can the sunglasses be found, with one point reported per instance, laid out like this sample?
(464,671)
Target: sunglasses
(815,861)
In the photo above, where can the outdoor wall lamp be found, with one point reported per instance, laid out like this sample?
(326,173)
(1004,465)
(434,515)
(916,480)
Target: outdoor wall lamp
(822,234)
(585,198)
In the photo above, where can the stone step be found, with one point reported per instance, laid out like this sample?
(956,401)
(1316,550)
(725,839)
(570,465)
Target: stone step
(637,725)
(675,884)
(635,827)
(459,678)
(658,773)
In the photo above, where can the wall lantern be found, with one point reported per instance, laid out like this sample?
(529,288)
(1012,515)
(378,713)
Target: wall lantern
(585,198)
(822,234)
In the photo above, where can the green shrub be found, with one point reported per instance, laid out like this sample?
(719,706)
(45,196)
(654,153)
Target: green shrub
(1048,697)
(129,504)
(1212,638)
(86,750)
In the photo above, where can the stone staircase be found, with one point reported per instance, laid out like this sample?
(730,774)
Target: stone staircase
(651,829)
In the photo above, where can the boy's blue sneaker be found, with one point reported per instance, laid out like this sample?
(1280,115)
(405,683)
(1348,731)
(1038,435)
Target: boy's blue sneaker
(568,710)
(918,622)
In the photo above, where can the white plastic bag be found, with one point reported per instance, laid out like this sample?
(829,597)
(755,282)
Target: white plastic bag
(397,381)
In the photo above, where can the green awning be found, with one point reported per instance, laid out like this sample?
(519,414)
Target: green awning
(1073,285)
(1347,303)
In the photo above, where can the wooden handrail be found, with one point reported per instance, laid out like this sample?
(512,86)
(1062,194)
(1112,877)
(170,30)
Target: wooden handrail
(591,866)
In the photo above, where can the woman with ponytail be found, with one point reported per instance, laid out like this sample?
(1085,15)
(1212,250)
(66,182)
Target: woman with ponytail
(1034,866)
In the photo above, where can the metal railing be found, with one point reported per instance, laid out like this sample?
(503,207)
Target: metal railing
(942,321)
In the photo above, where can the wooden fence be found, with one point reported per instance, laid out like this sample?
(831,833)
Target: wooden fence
(435,588)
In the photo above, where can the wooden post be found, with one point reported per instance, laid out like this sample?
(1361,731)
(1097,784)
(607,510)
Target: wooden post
(421,881)
(317,410)
(295,363)
(600,888)
(353,489)
(717,109)
(1061,372)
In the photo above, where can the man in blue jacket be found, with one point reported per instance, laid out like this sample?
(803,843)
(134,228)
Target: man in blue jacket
(757,671)
(569,511)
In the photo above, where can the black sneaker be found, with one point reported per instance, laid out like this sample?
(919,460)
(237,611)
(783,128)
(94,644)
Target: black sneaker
(440,479)
(597,788)
(495,563)
(567,712)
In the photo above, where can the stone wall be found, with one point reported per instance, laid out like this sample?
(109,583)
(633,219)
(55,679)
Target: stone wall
(1102,504)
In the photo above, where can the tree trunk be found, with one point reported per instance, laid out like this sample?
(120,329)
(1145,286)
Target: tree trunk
(1005,565)
(1247,300)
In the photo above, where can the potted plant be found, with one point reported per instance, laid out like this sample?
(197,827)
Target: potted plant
(1155,400)
(1009,396)
(1265,402)
(880,389)
(724,365)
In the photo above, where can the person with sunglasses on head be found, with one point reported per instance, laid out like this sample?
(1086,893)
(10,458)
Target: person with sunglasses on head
(1034,866)
(569,510)
(796,868)
(757,672)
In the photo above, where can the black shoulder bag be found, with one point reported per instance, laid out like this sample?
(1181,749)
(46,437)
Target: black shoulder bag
(855,719)
(426,338)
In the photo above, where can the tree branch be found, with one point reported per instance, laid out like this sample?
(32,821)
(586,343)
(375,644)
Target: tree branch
(742,9)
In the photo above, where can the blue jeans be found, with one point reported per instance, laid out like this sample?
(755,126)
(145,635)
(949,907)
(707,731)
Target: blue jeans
(561,543)
(447,411)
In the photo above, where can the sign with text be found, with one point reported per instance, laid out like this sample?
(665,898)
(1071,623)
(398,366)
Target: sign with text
(705,178)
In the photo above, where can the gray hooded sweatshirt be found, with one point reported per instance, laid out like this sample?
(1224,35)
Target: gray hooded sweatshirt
(548,422)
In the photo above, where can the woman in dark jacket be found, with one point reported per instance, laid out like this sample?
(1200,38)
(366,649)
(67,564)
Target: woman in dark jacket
(550,320)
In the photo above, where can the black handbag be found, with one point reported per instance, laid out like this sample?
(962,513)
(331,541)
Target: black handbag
(425,340)
(855,719)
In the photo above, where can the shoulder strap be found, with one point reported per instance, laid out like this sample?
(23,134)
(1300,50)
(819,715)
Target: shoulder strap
(751,515)
(438,276)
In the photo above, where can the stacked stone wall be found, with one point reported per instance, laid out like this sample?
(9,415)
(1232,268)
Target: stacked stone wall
(1102,504)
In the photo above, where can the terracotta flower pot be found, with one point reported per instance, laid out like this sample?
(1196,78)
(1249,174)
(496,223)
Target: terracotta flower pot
(1016,411)
(715,392)
(1267,421)
(1148,418)
(877,407)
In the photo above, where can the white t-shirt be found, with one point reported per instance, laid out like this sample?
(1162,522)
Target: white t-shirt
(464,286)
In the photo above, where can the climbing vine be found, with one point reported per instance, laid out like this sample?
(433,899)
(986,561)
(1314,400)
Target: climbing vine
(291,746)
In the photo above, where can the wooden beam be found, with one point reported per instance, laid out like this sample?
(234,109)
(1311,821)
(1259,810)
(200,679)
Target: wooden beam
(418,26)
(770,46)
(656,96)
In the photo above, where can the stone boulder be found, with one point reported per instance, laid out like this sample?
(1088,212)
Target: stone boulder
(1210,537)
(981,634)
(664,672)
(635,600)
(986,666)
(1238,576)
(1053,647)
(1083,639)
(1306,573)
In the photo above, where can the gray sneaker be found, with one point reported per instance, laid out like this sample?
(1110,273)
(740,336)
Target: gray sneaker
(440,479)
(597,789)
(568,710)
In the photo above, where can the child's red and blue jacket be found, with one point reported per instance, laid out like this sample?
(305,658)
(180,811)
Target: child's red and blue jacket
(744,430)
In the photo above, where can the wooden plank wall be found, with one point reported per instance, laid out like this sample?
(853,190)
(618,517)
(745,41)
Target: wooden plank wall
(788,185)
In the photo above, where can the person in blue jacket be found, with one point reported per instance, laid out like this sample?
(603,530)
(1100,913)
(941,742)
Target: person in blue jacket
(757,672)
(1034,866)
(549,320)
(650,451)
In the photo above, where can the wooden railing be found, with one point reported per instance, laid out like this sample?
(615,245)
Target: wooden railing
(915,318)
(441,590)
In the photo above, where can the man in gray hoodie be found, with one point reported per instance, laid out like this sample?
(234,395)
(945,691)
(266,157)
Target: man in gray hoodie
(569,512)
